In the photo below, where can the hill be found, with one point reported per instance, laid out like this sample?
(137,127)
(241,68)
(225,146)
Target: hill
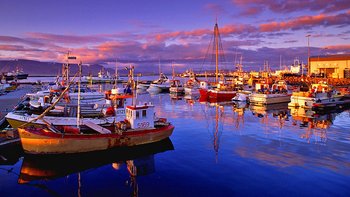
(37,68)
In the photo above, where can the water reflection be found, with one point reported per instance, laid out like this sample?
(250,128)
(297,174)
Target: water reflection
(315,125)
(10,155)
(279,111)
(216,118)
(139,161)
(239,109)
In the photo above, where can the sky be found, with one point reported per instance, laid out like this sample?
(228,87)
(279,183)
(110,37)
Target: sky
(178,32)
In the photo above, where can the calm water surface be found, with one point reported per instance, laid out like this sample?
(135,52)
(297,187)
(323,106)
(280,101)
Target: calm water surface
(215,150)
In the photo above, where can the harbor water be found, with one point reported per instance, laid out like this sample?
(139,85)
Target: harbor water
(227,149)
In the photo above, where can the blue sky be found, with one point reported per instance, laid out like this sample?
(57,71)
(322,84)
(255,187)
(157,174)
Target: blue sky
(142,32)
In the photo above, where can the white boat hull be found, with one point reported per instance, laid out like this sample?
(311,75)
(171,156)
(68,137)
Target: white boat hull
(16,120)
(159,88)
(266,99)
(192,91)
(308,102)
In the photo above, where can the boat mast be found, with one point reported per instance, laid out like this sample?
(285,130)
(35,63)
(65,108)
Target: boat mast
(280,62)
(67,69)
(159,70)
(216,40)
(172,65)
(116,75)
(132,84)
(78,108)
(241,64)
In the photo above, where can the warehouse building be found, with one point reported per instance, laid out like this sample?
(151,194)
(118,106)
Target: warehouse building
(331,66)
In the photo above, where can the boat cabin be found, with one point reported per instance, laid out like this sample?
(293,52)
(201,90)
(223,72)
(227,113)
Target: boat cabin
(118,105)
(205,85)
(279,87)
(320,87)
(141,116)
(175,83)
(261,86)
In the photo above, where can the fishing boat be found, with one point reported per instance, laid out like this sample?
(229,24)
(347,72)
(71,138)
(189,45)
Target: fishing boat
(143,85)
(16,74)
(140,127)
(176,87)
(4,87)
(192,86)
(8,87)
(49,167)
(160,85)
(318,93)
(103,113)
(102,77)
(223,90)
(278,93)
(242,96)
(45,98)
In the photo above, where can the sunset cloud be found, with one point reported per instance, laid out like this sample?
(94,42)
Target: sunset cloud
(288,6)
(11,39)
(67,39)
(307,22)
(16,48)
(191,45)
(214,8)
(345,47)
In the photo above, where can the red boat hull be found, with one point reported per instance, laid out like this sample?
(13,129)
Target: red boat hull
(216,95)
(44,141)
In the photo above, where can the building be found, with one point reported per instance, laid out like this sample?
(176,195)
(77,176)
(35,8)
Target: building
(333,66)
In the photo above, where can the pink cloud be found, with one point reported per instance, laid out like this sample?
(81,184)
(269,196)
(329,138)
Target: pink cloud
(11,39)
(306,22)
(185,45)
(67,39)
(142,24)
(252,11)
(339,47)
(16,48)
(288,6)
(216,9)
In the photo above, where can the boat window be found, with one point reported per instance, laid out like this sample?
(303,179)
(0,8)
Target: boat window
(128,112)
(144,113)
(137,114)
(120,103)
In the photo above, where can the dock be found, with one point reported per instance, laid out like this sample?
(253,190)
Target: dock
(9,137)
